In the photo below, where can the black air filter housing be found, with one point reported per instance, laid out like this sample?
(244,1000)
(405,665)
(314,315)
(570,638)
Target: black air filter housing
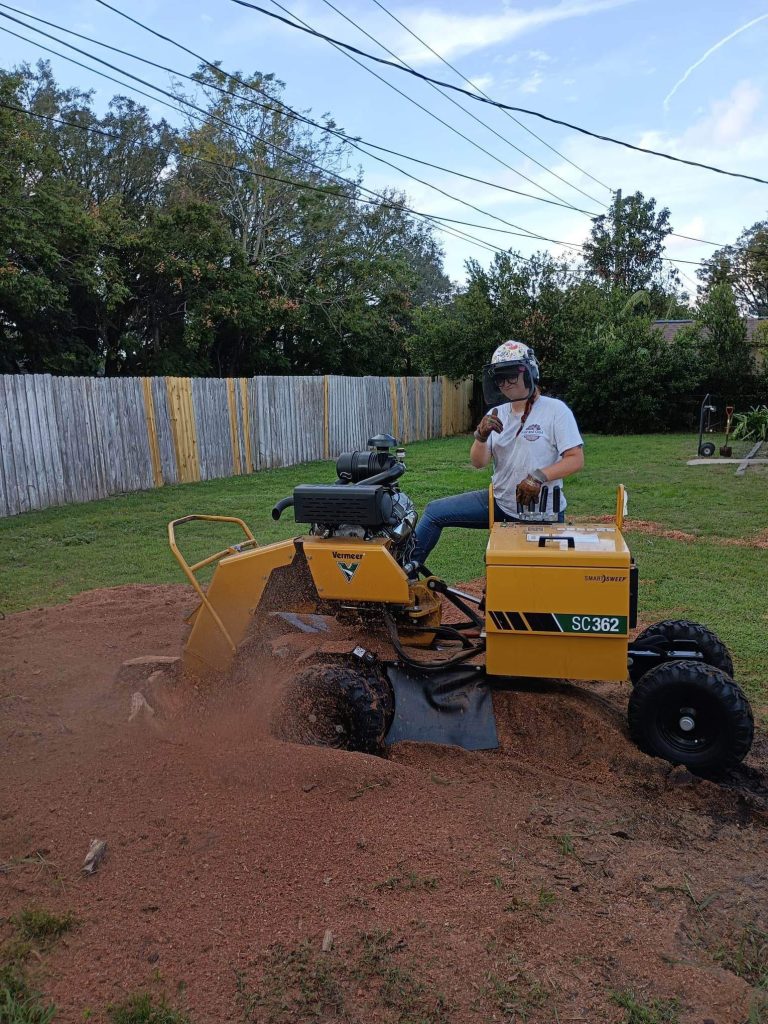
(333,504)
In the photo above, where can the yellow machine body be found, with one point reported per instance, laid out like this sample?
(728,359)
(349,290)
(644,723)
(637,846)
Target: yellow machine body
(355,570)
(342,569)
(221,621)
(557,602)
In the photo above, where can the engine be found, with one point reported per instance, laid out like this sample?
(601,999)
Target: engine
(399,529)
(365,502)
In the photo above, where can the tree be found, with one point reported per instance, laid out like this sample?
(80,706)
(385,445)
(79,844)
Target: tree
(516,297)
(743,266)
(46,249)
(627,243)
(720,333)
(623,377)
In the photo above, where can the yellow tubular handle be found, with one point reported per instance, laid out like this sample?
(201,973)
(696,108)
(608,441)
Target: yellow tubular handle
(190,570)
(621,504)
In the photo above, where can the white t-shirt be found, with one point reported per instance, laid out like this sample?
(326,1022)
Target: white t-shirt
(549,431)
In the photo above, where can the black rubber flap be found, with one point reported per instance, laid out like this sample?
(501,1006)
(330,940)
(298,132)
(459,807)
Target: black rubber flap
(453,707)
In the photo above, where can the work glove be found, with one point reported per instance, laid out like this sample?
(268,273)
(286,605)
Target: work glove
(529,489)
(489,424)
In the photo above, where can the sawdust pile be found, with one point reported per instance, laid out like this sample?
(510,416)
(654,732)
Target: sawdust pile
(540,882)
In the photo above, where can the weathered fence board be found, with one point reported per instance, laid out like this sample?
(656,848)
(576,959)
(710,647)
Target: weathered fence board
(73,439)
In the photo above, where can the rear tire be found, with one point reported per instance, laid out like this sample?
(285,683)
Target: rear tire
(337,705)
(681,631)
(691,714)
(706,450)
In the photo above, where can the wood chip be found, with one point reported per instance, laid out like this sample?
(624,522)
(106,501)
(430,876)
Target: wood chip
(327,941)
(96,853)
(140,706)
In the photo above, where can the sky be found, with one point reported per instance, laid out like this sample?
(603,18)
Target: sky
(684,77)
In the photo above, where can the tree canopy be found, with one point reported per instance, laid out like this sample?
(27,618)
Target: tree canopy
(242,242)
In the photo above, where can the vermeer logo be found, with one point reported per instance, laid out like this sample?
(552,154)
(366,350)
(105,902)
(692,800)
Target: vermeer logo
(605,579)
(348,563)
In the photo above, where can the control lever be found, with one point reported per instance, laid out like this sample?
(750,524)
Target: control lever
(556,500)
(543,495)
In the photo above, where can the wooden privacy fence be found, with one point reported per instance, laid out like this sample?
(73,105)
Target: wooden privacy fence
(73,439)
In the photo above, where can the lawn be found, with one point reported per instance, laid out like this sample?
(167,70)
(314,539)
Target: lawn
(45,557)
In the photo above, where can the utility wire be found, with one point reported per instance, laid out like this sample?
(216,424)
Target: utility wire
(455,232)
(354,141)
(400,207)
(284,108)
(303,25)
(497,103)
(516,228)
(438,220)
(477,88)
(460,106)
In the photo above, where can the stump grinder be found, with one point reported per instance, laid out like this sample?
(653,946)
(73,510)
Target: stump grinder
(418,659)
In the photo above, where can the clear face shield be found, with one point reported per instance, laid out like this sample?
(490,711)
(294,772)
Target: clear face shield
(494,374)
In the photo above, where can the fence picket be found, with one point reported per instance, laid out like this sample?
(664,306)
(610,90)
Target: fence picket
(73,439)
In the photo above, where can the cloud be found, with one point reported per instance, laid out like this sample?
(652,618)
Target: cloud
(540,56)
(710,51)
(455,33)
(731,119)
(482,81)
(702,204)
(532,82)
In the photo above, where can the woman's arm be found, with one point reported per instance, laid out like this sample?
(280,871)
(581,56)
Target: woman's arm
(570,462)
(480,454)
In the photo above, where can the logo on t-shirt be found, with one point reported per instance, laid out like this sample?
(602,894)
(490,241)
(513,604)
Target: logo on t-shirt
(533,431)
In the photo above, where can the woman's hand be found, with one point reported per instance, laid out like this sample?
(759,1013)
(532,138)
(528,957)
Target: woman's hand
(489,424)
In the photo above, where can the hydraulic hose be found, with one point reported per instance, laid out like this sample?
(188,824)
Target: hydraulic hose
(281,506)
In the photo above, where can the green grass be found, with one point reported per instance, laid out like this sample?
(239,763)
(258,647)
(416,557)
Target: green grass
(746,955)
(46,557)
(41,926)
(19,1003)
(142,1008)
(300,984)
(23,1008)
(652,1011)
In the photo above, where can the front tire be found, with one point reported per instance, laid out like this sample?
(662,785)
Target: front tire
(336,705)
(691,714)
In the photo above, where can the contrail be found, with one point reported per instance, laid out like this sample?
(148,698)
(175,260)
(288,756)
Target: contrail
(709,53)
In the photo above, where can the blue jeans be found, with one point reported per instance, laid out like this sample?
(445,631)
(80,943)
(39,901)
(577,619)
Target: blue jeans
(469,510)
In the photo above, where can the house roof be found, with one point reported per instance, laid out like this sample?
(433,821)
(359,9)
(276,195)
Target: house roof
(669,328)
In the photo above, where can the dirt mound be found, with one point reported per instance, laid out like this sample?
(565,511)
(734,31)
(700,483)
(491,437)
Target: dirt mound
(563,877)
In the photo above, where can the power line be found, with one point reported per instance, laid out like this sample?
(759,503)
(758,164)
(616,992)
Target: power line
(305,27)
(355,142)
(399,207)
(283,107)
(437,220)
(497,103)
(516,228)
(450,99)
(477,88)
